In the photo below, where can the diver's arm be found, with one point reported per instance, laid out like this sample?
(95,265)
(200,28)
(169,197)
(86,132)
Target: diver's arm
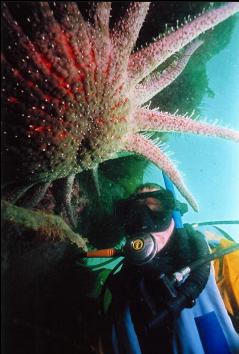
(195,247)
(197,280)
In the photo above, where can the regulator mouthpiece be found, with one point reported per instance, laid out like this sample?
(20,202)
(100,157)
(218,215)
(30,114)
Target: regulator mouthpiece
(140,249)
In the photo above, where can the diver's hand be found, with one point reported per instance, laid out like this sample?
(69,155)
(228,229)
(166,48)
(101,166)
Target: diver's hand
(172,310)
(175,306)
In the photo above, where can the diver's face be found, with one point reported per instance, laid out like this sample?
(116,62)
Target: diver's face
(153,203)
(147,213)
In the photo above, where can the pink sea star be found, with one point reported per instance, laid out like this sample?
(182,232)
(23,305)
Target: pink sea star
(78,91)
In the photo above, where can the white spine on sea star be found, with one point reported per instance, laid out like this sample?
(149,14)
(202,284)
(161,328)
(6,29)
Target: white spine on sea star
(140,145)
(147,120)
(143,62)
(156,82)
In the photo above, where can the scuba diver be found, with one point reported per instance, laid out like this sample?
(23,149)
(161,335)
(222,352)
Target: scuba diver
(141,285)
(164,299)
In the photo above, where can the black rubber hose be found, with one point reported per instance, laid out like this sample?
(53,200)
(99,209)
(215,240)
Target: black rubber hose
(220,253)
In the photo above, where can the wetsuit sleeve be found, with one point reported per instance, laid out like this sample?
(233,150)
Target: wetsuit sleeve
(194,243)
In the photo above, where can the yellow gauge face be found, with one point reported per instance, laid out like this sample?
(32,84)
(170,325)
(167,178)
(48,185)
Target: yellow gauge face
(138,244)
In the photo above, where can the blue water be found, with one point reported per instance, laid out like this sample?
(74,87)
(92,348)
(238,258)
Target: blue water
(210,166)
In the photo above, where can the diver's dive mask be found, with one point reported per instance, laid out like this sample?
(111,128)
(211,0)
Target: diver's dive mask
(140,218)
(137,217)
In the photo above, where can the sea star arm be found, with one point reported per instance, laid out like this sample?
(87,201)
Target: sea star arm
(157,81)
(33,197)
(141,145)
(148,120)
(88,45)
(13,193)
(77,29)
(143,62)
(125,32)
(51,35)
(101,41)
(102,16)
(29,63)
(62,190)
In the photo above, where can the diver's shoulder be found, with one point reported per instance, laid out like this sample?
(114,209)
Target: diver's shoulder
(190,231)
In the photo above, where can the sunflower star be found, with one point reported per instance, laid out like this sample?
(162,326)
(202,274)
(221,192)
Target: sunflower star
(78,93)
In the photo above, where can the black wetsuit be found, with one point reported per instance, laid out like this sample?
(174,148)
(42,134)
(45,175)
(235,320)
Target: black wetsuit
(140,287)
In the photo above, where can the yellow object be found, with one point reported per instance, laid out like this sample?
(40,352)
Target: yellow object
(227,278)
(138,244)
